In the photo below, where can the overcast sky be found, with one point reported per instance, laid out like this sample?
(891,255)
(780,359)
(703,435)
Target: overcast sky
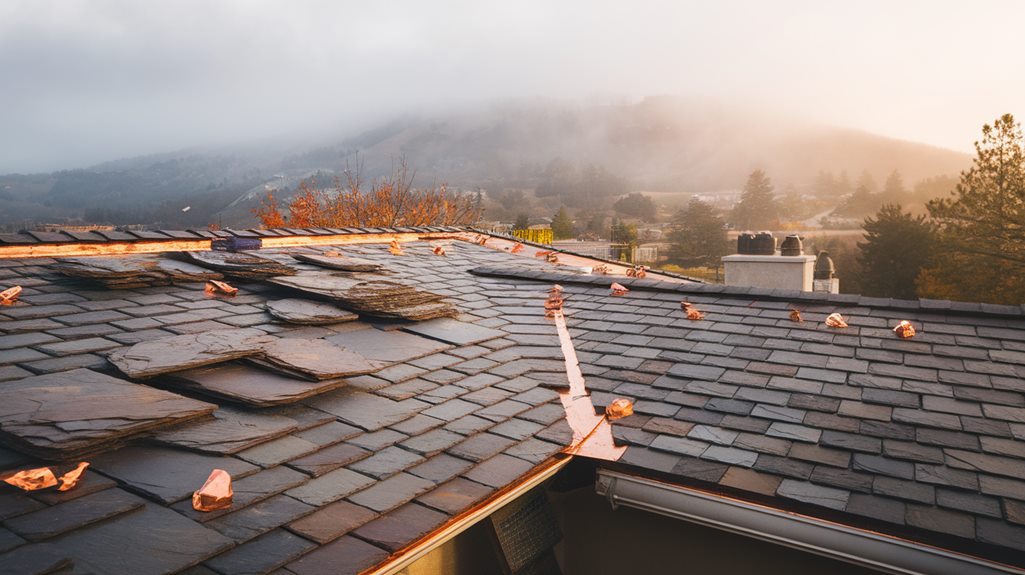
(87,81)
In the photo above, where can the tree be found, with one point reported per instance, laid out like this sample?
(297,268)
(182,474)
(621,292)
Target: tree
(757,208)
(637,205)
(562,225)
(522,222)
(698,236)
(896,247)
(982,224)
(388,203)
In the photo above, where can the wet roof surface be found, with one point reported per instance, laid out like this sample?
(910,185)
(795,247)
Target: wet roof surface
(921,438)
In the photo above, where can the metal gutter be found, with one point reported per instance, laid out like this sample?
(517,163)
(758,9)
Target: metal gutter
(878,551)
(405,557)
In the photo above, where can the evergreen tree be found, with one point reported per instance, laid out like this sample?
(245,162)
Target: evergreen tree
(637,205)
(522,222)
(698,236)
(562,225)
(982,224)
(757,208)
(896,247)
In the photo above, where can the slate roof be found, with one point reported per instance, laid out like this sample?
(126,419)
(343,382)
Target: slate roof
(920,438)
(333,483)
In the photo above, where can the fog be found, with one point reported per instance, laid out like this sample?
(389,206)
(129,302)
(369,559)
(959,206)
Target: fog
(84,82)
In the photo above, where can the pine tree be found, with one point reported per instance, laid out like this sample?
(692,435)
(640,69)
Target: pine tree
(757,208)
(562,225)
(896,247)
(698,236)
(982,224)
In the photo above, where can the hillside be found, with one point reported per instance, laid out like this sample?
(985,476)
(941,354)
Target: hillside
(667,144)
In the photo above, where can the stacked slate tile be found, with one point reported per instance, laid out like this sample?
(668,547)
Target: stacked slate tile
(130,272)
(371,295)
(238,265)
(339,262)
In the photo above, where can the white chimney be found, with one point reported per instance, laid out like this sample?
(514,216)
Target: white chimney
(758,264)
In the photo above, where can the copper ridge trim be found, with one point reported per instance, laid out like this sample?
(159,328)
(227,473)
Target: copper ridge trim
(592,433)
(405,557)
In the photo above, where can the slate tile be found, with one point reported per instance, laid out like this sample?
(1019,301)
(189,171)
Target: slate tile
(150,540)
(877,507)
(942,520)
(332,521)
(1000,533)
(850,441)
(696,371)
(819,454)
(74,514)
(783,466)
(15,503)
(814,494)
(481,446)
(35,559)
(367,411)
(278,451)
(8,541)
(329,434)
(401,527)
(378,440)
(731,455)
(263,554)
(260,518)
(985,463)
(841,478)
(166,475)
(330,487)
(329,459)
(440,468)
(947,439)
(970,502)
(417,424)
(906,490)
(499,471)
(750,481)
(778,413)
(880,465)
(912,451)
(345,556)
(391,492)
(762,443)
(386,462)
(794,432)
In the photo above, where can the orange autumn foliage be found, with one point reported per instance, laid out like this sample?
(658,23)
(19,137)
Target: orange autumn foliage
(391,202)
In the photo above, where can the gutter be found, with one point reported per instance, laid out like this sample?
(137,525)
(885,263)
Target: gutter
(861,547)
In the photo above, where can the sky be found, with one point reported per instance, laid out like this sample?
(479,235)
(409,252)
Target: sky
(83,82)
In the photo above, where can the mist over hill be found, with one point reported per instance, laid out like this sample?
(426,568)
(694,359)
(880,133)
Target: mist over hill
(658,144)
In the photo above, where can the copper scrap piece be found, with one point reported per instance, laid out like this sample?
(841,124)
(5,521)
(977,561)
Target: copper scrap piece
(601,269)
(905,330)
(482,240)
(618,289)
(795,316)
(332,253)
(694,314)
(216,287)
(70,479)
(516,248)
(395,248)
(439,251)
(542,253)
(686,305)
(620,407)
(553,305)
(835,320)
(10,295)
(636,272)
(32,479)
(215,494)
(552,258)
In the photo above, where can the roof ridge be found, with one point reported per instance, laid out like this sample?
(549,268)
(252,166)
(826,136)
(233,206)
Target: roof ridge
(956,307)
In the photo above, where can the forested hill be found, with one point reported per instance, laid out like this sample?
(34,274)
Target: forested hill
(667,144)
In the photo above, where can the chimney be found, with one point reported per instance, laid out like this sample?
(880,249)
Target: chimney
(825,274)
(758,264)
